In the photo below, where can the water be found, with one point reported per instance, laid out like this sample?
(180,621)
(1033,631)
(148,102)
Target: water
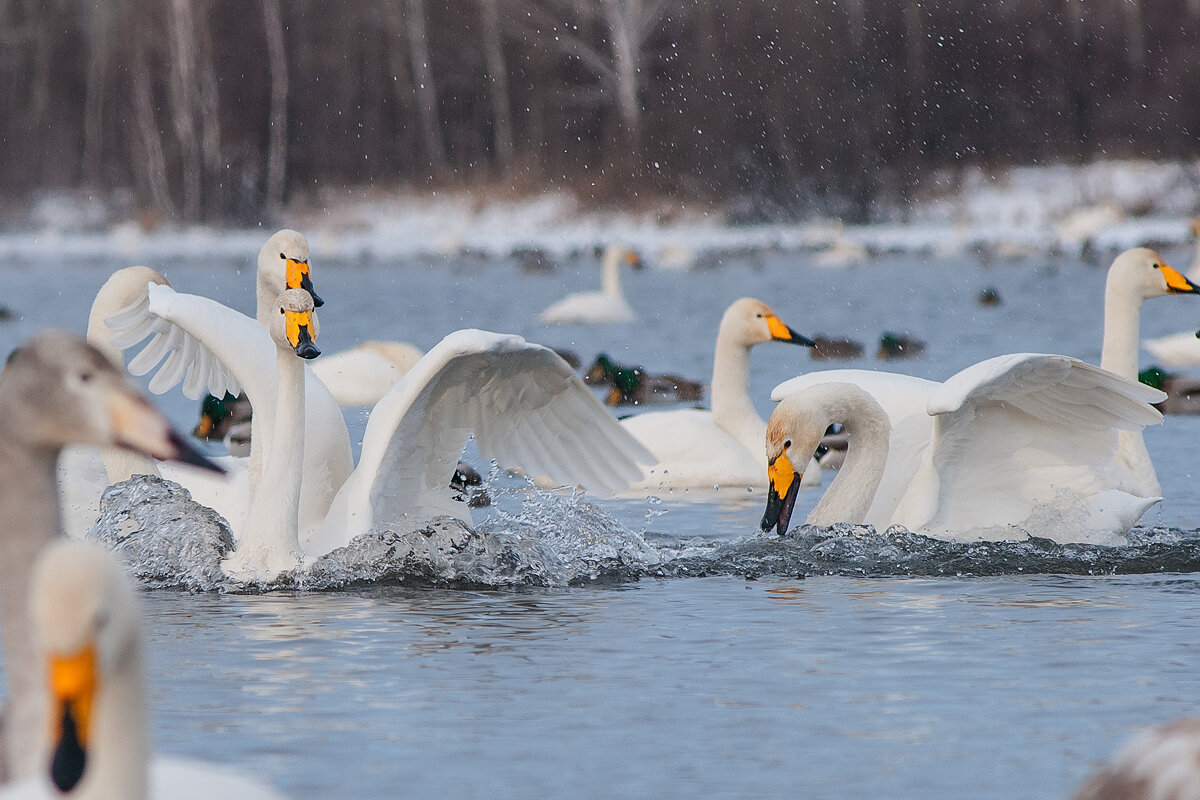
(860,681)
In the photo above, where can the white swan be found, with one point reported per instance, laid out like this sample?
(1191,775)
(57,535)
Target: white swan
(209,347)
(1017,445)
(525,406)
(696,449)
(1135,276)
(96,744)
(56,390)
(1162,763)
(598,308)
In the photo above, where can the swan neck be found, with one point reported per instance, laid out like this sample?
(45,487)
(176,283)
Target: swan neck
(733,410)
(118,759)
(611,272)
(32,519)
(270,532)
(849,496)
(1122,318)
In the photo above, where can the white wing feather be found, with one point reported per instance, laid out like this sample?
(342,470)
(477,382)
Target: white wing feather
(524,405)
(1030,440)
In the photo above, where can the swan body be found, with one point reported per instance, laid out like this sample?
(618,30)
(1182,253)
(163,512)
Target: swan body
(90,644)
(1176,350)
(1023,444)
(607,306)
(363,374)
(696,449)
(56,391)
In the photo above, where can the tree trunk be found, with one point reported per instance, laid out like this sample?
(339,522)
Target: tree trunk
(277,121)
(493,46)
(181,55)
(427,97)
(152,162)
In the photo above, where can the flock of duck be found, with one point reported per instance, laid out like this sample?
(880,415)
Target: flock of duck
(1018,444)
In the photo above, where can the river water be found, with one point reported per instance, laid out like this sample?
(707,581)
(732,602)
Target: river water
(731,664)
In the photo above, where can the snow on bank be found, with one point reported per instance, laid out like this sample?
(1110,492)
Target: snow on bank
(1021,212)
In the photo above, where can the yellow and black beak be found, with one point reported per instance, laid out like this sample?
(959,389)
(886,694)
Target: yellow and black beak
(137,426)
(782,333)
(1177,282)
(781,497)
(299,333)
(299,277)
(72,692)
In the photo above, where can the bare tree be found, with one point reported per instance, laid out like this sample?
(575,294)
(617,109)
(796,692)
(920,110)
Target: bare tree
(618,59)
(493,49)
(426,89)
(277,120)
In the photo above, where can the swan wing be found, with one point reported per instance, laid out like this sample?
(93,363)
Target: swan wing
(195,341)
(1025,443)
(526,408)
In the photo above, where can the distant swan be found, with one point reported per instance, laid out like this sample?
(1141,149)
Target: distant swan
(1016,445)
(55,391)
(87,623)
(696,449)
(598,308)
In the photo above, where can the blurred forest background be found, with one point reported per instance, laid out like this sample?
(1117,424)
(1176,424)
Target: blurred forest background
(223,110)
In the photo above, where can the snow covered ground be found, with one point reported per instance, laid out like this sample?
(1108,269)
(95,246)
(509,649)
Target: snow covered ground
(1020,212)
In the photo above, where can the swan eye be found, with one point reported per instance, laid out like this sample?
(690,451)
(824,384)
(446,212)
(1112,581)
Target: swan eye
(281,255)
(787,444)
(86,376)
(281,311)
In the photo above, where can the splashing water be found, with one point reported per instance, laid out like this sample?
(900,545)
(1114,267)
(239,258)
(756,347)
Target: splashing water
(562,540)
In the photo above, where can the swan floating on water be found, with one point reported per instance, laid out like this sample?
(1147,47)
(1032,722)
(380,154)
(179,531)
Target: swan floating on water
(1014,446)
(722,448)
(56,390)
(86,619)
(603,307)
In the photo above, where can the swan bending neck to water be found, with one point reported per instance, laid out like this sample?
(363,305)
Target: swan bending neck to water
(800,426)
(55,391)
(96,743)
(1016,445)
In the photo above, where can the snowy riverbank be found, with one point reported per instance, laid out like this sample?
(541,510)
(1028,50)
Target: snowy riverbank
(1017,213)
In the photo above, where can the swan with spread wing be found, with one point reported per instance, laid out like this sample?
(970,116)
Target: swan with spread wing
(1016,445)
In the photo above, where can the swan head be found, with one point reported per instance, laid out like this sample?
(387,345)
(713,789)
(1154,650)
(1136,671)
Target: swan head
(283,264)
(1143,272)
(750,322)
(623,255)
(58,390)
(793,429)
(295,327)
(85,616)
